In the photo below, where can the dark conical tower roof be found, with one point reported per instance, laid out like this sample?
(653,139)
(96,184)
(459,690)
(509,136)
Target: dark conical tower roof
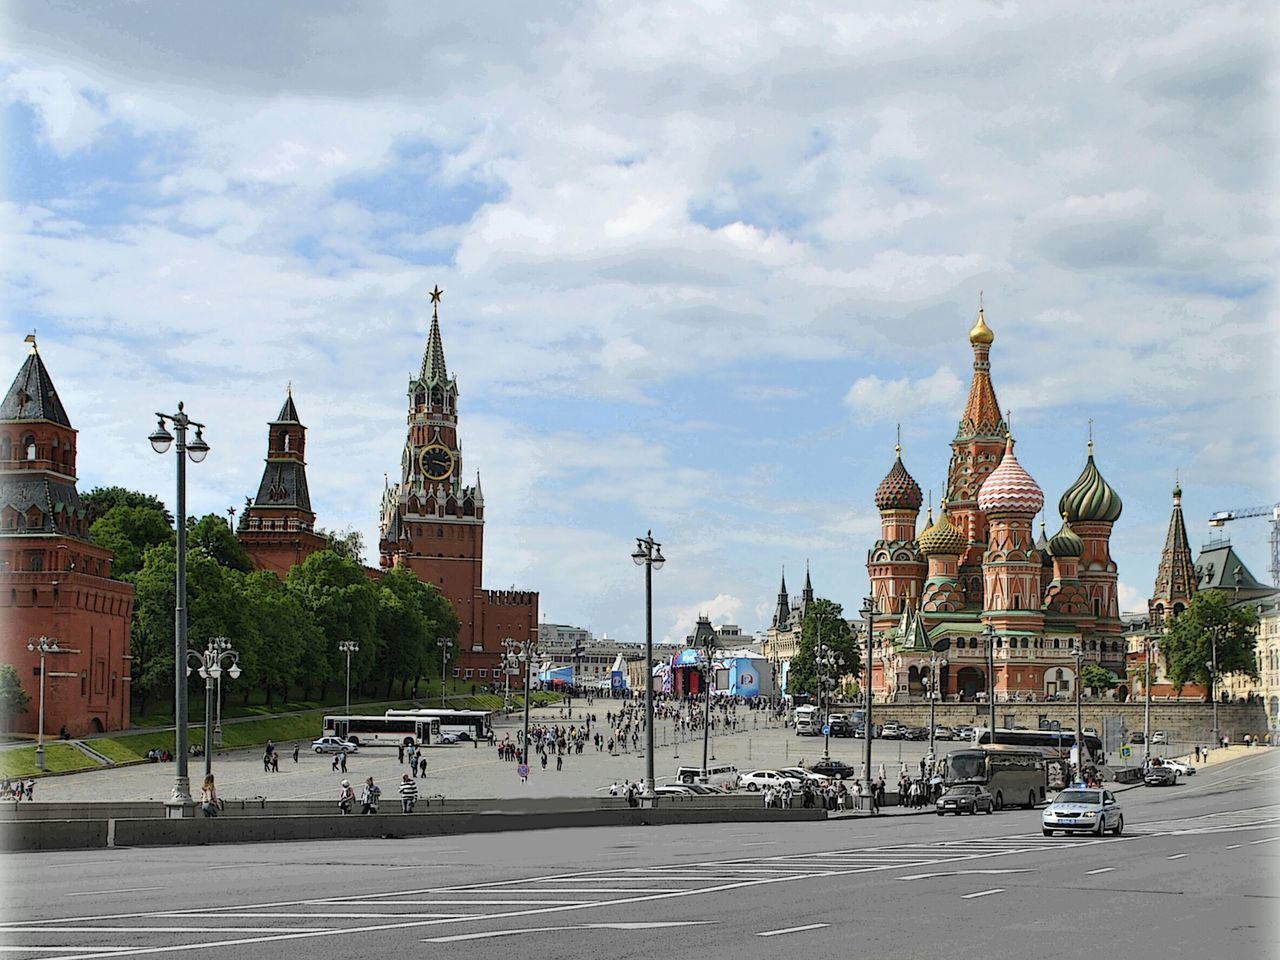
(433,366)
(288,413)
(782,612)
(32,396)
(1176,578)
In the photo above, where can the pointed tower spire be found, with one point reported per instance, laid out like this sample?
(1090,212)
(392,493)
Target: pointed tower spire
(782,612)
(982,411)
(433,367)
(1176,578)
(806,596)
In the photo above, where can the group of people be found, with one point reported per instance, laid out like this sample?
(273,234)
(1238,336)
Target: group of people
(370,795)
(17,790)
(412,754)
(916,792)
(627,788)
(828,794)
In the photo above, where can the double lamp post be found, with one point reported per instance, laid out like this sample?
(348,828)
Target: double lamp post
(648,554)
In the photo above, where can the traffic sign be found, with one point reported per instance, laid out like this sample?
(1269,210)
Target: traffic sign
(826,729)
(1126,751)
(523,770)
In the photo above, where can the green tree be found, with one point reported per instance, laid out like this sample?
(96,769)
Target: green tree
(280,632)
(412,616)
(1098,678)
(823,622)
(348,543)
(129,532)
(1210,621)
(99,501)
(13,699)
(213,535)
(344,605)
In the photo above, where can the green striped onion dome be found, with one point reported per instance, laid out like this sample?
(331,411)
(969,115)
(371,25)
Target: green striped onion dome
(1065,543)
(1091,498)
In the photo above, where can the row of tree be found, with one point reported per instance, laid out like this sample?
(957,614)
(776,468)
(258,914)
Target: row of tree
(285,632)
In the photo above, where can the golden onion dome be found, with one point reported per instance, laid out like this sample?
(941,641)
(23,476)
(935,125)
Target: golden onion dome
(981,333)
(942,538)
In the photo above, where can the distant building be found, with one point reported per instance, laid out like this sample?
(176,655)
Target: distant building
(53,581)
(782,639)
(593,665)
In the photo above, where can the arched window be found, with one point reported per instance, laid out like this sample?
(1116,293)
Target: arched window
(1024,643)
(1057,645)
(37,563)
(29,445)
(1097,607)
(6,448)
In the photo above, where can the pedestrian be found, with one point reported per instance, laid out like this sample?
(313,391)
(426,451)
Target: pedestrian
(342,761)
(768,796)
(271,748)
(559,762)
(346,798)
(209,797)
(408,793)
(296,748)
(400,754)
(369,796)
(266,762)
(31,788)
(422,768)
(275,762)
(334,767)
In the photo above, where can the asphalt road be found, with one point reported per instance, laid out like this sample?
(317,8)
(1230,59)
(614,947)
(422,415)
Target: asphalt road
(1194,876)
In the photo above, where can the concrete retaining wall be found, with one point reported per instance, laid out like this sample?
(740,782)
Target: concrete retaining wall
(27,835)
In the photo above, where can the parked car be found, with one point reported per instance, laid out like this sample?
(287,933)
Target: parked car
(334,745)
(943,733)
(702,790)
(964,732)
(915,733)
(1159,737)
(965,798)
(891,731)
(1083,808)
(1180,767)
(759,779)
(448,738)
(1160,776)
(673,790)
(839,725)
(800,773)
(831,767)
(1137,737)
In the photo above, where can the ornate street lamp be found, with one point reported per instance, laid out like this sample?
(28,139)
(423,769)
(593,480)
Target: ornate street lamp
(827,659)
(45,645)
(348,647)
(936,660)
(989,634)
(648,554)
(445,644)
(180,802)
(210,665)
(869,613)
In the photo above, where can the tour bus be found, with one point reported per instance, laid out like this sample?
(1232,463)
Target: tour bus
(390,731)
(1061,741)
(1012,775)
(463,724)
(808,721)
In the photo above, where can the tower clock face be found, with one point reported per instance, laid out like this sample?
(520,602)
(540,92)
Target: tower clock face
(436,461)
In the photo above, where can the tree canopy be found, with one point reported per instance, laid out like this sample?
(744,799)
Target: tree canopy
(13,699)
(1210,621)
(823,622)
(129,532)
(98,501)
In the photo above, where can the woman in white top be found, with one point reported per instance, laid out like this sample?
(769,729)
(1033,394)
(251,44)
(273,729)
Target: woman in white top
(209,797)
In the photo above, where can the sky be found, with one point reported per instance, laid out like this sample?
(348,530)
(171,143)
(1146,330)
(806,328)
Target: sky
(699,261)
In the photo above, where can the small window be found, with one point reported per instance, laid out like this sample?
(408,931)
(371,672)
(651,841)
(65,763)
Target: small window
(37,564)
(29,443)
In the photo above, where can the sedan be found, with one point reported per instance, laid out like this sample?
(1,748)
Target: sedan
(1161,776)
(943,733)
(1180,767)
(833,768)
(759,779)
(1159,737)
(1083,808)
(334,745)
(965,798)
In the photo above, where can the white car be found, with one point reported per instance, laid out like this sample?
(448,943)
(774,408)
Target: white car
(1181,767)
(801,774)
(1083,808)
(759,779)
(1159,737)
(334,745)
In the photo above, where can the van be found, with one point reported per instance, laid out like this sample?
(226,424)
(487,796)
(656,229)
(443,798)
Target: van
(723,776)
(808,721)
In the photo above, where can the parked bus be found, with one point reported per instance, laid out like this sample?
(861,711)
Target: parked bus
(1011,774)
(390,731)
(464,724)
(808,721)
(1061,741)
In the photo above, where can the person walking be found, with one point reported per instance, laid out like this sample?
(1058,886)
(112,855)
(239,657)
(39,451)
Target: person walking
(408,793)
(400,754)
(334,765)
(342,761)
(296,748)
(559,762)
(422,767)
(275,762)
(369,796)
(209,797)
(346,798)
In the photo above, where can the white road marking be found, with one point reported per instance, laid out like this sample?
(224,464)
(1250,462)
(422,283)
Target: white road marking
(955,873)
(469,903)
(327,915)
(778,933)
(1234,846)
(235,866)
(43,949)
(101,893)
(1254,843)
(760,843)
(92,929)
(982,893)
(1176,856)
(1100,870)
(640,925)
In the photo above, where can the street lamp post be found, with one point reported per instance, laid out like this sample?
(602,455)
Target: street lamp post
(210,665)
(527,653)
(648,554)
(348,647)
(1212,667)
(869,613)
(223,644)
(1078,653)
(936,660)
(508,669)
(1152,645)
(197,450)
(444,643)
(45,645)
(827,659)
(708,649)
(989,633)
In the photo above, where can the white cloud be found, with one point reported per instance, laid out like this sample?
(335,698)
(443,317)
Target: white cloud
(873,399)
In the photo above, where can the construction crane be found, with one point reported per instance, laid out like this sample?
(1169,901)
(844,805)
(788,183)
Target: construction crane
(1223,516)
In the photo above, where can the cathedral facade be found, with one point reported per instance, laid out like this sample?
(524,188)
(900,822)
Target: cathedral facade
(979,563)
(432,521)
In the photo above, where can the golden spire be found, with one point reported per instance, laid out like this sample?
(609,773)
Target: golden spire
(897,447)
(31,339)
(981,333)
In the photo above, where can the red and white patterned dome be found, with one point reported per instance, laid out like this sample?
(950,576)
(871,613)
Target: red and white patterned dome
(1009,488)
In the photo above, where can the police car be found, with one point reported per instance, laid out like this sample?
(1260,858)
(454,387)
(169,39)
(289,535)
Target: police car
(1080,807)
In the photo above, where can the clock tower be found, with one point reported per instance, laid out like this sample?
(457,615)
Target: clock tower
(433,522)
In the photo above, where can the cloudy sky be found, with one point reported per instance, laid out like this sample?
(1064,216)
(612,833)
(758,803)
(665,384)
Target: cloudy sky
(698,260)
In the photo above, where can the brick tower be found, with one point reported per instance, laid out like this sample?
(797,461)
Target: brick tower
(1176,579)
(277,527)
(1092,507)
(53,581)
(1010,499)
(894,562)
(433,523)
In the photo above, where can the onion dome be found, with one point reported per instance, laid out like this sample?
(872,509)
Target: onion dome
(942,538)
(1042,545)
(1009,488)
(1065,543)
(1091,498)
(898,491)
(981,333)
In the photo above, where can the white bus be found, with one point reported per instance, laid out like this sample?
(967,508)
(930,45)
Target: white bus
(369,731)
(464,724)
(808,721)
(1014,776)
